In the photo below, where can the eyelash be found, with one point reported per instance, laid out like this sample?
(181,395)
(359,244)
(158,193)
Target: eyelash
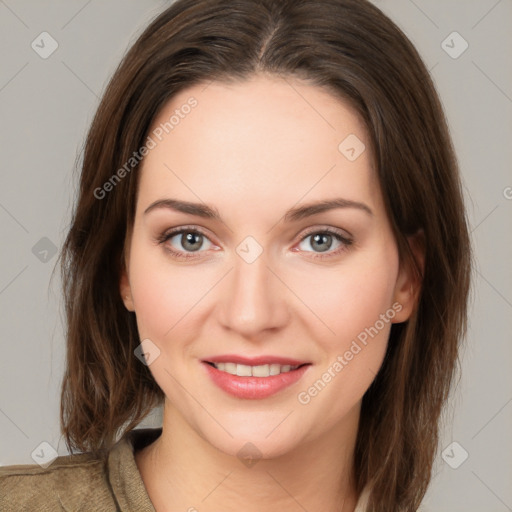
(185,229)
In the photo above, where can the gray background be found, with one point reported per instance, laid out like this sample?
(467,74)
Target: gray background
(46,106)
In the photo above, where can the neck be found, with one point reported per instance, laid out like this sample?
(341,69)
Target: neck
(183,471)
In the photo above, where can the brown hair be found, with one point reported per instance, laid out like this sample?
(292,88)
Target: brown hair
(354,51)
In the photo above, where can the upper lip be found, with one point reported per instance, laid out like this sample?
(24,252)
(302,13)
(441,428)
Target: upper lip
(254,361)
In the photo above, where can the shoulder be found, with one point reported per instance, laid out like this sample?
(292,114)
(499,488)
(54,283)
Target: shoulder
(71,482)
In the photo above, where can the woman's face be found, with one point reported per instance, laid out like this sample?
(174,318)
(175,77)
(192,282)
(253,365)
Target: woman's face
(286,258)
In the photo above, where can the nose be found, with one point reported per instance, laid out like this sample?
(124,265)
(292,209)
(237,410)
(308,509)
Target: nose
(254,299)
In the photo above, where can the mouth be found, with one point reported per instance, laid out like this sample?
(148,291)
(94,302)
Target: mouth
(261,370)
(266,376)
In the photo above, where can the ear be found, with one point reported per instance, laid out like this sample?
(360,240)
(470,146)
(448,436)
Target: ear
(408,283)
(125,290)
(124,281)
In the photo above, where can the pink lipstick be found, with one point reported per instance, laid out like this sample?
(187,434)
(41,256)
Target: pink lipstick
(256,377)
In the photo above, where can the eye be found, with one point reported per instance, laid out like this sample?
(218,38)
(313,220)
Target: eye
(187,241)
(322,240)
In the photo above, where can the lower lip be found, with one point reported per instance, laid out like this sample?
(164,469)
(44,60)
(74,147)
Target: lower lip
(254,387)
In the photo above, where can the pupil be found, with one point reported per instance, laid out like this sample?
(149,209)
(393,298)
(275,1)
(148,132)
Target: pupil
(322,238)
(189,240)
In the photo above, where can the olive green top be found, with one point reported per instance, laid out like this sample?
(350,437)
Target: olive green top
(81,482)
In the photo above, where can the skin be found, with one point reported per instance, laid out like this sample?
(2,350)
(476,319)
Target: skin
(254,150)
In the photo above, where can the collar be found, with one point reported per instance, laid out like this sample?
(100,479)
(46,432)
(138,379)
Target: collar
(124,476)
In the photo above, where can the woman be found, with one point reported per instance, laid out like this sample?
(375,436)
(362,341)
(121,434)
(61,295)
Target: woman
(270,241)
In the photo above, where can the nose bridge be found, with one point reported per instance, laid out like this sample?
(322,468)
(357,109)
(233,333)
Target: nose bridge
(253,302)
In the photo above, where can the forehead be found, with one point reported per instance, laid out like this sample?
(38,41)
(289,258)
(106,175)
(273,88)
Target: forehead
(266,139)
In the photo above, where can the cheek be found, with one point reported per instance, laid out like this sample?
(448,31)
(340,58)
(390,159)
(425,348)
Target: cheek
(164,293)
(350,298)
(356,310)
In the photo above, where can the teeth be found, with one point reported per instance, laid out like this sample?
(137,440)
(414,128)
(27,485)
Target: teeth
(263,370)
(243,371)
(260,371)
(230,368)
(275,369)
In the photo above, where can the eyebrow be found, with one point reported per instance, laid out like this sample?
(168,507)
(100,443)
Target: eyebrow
(292,215)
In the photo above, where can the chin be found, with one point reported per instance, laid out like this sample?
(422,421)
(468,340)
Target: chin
(251,449)
(258,438)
